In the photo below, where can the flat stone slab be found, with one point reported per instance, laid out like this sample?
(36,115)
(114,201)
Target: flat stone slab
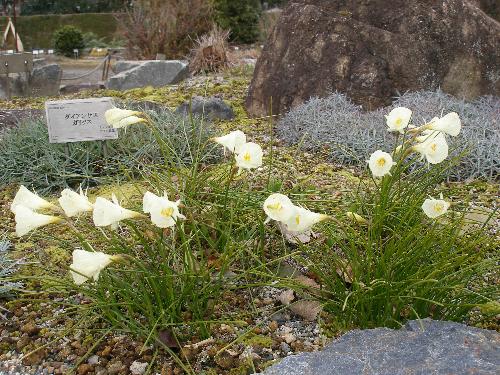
(148,73)
(421,347)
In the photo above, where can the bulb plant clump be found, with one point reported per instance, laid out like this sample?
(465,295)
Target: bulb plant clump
(396,254)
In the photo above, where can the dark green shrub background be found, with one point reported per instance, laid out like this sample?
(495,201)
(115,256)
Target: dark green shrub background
(38,31)
(241,17)
(67,39)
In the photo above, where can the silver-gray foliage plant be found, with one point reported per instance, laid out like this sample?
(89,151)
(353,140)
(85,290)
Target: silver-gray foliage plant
(7,268)
(352,135)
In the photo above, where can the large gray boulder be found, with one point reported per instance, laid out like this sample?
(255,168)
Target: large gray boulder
(43,80)
(374,50)
(149,73)
(421,347)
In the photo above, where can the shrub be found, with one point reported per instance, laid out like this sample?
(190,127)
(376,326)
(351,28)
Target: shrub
(68,38)
(164,26)
(92,163)
(352,134)
(210,52)
(241,17)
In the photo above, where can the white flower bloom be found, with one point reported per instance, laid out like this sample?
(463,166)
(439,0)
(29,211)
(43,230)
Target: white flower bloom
(232,141)
(74,203)
(28,220)
(380,163)
(434,148)
(249,156)
(149,202)
(449,124)
(88,265)
(434,208)
(26,198)
(398,119)
(302,219)
(107,213)
(279,207)
(164,213)
(121,118)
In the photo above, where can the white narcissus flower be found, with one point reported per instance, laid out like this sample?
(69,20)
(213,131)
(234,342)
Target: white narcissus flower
(121,118)
(164,213)
(278,207)
(434,208)
(249,156)
(26,198)
(380,163)
(449,124)
(28,220)
(398,119)
(303,220)
(74,203)
(434,148)
(87,265)
(110,213)
(232,141)
(149,202)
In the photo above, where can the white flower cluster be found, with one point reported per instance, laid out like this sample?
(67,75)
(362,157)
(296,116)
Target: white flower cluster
(428,140)
(248,155)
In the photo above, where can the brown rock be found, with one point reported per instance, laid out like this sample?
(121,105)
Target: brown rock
(371,50)
(30,328)
(84,368)
(35,358)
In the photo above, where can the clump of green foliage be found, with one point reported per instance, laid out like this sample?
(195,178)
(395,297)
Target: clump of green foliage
(59,166)
(241,17)
(67,39)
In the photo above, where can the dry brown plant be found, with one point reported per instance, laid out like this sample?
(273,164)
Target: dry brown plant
(210,53)
(164,26)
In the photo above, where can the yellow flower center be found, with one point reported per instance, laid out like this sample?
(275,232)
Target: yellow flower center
(247,157)
(433,147)
(276,206)
(438,207)
(381,162)
(297,219)
(167,212)
(398,122)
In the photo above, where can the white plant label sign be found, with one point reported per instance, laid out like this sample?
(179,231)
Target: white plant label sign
(79,120)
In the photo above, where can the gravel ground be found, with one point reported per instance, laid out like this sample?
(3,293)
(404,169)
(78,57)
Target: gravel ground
(270,336)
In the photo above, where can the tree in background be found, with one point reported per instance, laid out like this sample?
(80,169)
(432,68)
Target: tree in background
(241,17)
(164,26)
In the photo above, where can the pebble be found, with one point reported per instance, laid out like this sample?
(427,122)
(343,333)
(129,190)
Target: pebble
(115,367)
(93,360)
(138,368)
(84,369)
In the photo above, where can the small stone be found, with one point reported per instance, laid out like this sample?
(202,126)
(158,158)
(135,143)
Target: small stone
(285,348)
(30,328)
(115,367)
(286,297)
(273,326)
(138,368)
(93,360)
(106,351)
(289,338)
(84,368)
